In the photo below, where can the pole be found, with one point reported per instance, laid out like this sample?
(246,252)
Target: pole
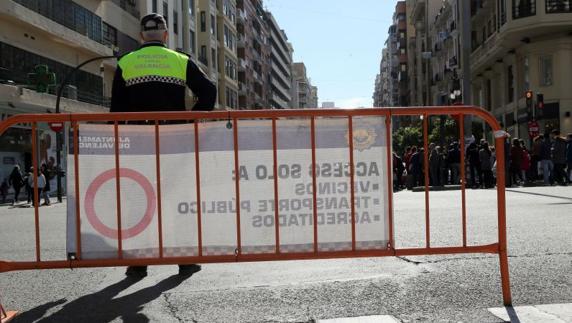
(59,134)
(466,60)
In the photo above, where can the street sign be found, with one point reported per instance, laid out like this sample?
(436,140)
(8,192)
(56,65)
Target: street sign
(56,126)
(533,129)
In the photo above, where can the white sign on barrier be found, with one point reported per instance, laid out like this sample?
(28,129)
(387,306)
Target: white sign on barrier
(218,205)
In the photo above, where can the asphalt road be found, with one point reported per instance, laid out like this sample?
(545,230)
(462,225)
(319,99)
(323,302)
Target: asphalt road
(437,288)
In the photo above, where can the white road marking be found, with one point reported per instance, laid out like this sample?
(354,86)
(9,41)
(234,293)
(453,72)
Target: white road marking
(557,313)
(363,319)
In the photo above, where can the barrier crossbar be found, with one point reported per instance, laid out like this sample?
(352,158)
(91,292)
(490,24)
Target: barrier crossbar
(235,119)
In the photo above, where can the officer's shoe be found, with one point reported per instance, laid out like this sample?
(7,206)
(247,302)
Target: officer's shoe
(188,270)
(137,272)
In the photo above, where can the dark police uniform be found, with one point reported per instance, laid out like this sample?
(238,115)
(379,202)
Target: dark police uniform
(154,78)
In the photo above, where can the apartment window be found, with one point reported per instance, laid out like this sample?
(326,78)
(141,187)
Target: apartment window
(166,12)
(192,8)
(203,21)
(213,57)
(109,34)
(176,22)
(523,8)
(502,12)
(230,68)
(510,84)
(203,55)
(19,63)
(192,41)
(228,38)
(68,14)
(546,76)
(231,98)
(558,6)
(229,10)
(213,25)
(154,5)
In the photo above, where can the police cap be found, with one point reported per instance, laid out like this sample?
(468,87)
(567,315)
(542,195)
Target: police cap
(153,21)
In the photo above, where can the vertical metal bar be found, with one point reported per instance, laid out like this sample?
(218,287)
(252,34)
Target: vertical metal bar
(389,179)
(36,190)
(314,184)
(503,256)
(77,192)
(352,179)
(237,185)
(275,160)
(426,169)
(118,190)
(159,197)
(198,188)
(462,178)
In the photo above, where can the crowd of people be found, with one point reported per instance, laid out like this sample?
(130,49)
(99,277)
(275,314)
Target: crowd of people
(18,181)
(547,162)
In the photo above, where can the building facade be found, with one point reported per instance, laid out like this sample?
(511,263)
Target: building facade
(280,78)
(253,55)
(301,88)
(422,13)
(41,42)
(313,102)
(445,62)
(518,46)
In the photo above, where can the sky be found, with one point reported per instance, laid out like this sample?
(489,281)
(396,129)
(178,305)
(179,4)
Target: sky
(340,42)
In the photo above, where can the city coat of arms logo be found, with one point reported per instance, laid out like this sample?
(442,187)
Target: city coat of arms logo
(363,138)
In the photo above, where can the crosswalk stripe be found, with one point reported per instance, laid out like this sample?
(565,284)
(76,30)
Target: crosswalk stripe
(549,313)
(363,319)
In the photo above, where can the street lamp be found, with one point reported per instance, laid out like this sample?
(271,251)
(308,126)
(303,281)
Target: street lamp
(59,134)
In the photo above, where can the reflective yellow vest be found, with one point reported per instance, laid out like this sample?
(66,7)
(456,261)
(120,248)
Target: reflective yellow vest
(154,64)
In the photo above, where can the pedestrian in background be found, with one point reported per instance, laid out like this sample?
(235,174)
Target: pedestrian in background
(559,157)
(16,180)
(4,190)
(155,78)
(569,157)
(29,190)
(454,161)
(536,152)
(546,160)
(516,162)
(486,165)
(436,165)
(46,190)
(474,164)
(41,184)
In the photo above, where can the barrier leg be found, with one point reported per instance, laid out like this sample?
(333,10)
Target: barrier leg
(505,281)
(6,316)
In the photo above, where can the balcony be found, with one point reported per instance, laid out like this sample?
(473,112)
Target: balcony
(526,8)
(418,10)
(558,6)
(242,64)
(453,62)
(128,6)
(240,15)
(54,20)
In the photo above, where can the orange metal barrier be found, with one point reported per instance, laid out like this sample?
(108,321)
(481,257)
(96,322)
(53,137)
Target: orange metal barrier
(459,112)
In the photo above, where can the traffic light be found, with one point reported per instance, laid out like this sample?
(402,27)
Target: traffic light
(529,96)
(540,100)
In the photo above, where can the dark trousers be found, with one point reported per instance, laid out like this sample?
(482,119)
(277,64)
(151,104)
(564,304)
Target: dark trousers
(559,174)
(16,193)
(488,178)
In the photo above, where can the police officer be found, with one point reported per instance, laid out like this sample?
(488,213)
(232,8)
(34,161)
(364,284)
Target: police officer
(155,78)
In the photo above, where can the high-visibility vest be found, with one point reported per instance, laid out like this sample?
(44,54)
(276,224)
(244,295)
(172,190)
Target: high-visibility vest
(154,64)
